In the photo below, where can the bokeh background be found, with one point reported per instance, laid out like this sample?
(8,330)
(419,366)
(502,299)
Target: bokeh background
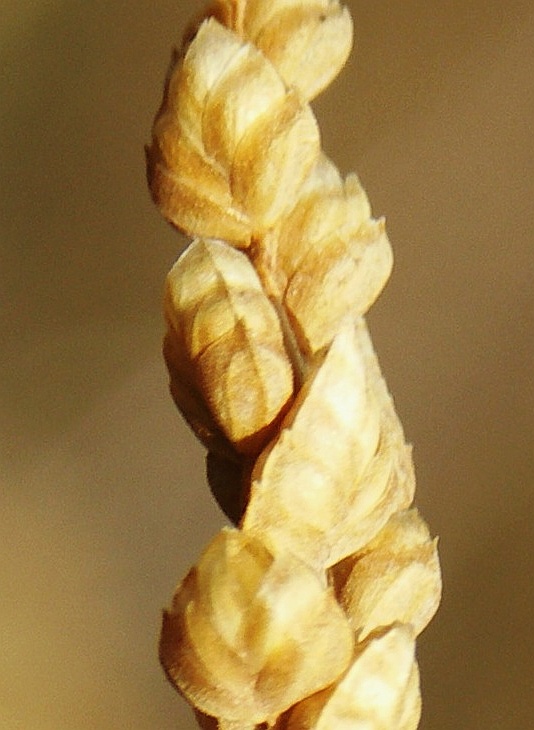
(103,499)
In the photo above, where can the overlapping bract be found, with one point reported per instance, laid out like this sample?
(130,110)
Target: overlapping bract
(246,626)
(305,615)
(379,691)
(307,42)
(225,346)
(230,140)
(339,467)
(395,578)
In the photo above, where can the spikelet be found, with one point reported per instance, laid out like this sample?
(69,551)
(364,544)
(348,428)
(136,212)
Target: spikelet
(304,615)
(246,625)
(308,43)
(339,468)
(339,245)
(229,141)
(225,344)
(396,577)
(380,690)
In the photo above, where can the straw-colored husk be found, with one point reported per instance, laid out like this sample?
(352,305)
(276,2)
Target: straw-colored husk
(304,615)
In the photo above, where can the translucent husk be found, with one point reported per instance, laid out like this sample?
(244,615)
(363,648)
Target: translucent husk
(304,615)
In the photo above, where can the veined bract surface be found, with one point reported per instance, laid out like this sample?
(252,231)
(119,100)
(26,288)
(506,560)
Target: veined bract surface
(305,614)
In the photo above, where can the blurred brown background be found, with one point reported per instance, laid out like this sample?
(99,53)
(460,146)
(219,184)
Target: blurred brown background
(104,504)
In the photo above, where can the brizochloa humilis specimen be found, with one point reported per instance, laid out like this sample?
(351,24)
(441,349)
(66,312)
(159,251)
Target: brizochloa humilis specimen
(304,614)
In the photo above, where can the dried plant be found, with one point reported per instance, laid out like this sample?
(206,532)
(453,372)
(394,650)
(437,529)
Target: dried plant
(304,614)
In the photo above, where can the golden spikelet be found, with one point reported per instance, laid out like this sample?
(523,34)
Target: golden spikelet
(308,43)
(246,626)
(304,615)
(380,690)
(339,468)
(226,343)
(229,141)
